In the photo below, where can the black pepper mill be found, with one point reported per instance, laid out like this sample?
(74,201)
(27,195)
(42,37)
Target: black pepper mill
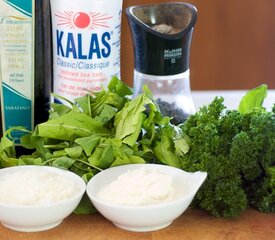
(161,35)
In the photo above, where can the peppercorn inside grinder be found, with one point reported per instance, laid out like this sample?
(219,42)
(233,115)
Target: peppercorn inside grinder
(161,35)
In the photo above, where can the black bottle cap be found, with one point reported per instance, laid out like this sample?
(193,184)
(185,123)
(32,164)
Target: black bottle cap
(161,36)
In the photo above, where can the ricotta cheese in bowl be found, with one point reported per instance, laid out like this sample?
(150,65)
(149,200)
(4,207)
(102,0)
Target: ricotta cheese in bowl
(143,197)
(139,187)
(37,198)
(36,186)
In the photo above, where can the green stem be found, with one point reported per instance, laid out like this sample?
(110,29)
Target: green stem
(78,160)
(90,165)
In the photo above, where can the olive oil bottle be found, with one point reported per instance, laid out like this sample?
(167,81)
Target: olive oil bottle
(25,64)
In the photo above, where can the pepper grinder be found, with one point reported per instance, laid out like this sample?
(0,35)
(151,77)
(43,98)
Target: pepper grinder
(161,35)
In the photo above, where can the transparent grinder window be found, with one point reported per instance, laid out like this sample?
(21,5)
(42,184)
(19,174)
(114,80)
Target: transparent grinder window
(161,35)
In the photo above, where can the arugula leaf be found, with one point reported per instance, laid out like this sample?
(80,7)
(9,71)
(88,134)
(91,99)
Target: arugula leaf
(128,121)
(104,99)
(106,114)
(84,103)
(120,88)
(32,141)
(74,152)
(164,148)
(123,160)
(88,143)
(70,126)
(131,139)
(7,161)
(103,155)
(7,146)
(63,162)
(26,141)
(87,176)
(30,161)
(181,141)
(81,168)
(58,110)
(59,153)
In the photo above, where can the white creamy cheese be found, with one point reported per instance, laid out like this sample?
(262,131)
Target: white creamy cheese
(139,187)
(36,187)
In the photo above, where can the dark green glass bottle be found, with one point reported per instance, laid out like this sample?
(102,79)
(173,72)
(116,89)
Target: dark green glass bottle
(25,63)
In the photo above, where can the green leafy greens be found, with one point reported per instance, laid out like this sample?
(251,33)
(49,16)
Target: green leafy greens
(97,131)
(107,128)
(237,149)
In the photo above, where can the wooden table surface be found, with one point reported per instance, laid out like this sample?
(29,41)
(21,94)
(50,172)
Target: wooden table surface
(192,225)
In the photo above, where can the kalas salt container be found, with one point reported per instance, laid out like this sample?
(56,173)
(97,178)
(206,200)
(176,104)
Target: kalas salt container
(161,36)
(86,45)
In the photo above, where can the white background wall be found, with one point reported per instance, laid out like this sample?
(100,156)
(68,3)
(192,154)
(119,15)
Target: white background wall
(231,98)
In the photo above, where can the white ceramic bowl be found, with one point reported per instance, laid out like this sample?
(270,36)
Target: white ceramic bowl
(33,218)
(143,218)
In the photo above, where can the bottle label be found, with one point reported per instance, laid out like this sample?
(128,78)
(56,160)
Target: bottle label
(16,64)
(172,54)
(86,45)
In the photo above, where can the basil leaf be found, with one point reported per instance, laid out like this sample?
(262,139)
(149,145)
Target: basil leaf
(253,98)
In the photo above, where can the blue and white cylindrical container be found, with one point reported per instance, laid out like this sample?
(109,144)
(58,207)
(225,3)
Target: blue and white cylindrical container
(86,45)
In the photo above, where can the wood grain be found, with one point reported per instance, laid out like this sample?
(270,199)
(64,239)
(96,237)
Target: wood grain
(233,44)
(192,225)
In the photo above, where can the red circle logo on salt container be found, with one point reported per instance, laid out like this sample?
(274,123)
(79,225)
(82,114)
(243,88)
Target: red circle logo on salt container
(81,20)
